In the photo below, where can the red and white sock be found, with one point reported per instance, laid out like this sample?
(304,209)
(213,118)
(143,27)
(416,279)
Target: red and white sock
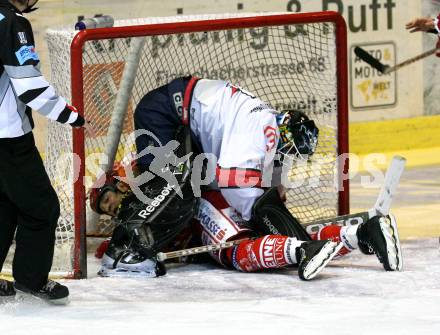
(345,234)
(270,251)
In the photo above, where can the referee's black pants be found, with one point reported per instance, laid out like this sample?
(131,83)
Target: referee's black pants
(29,206)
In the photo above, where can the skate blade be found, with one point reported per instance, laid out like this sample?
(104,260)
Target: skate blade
(59,302)
(318,262)
(21,296)
(5,300)
(123,273)
(388,226)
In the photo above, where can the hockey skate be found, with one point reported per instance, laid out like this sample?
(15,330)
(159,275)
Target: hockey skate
(125,262)
(379,235)
(52,292)
(313,256)
(6,288)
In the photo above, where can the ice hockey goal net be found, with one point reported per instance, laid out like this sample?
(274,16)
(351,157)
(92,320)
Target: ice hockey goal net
(290,60)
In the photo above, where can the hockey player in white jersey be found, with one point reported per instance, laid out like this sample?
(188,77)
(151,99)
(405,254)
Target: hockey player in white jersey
(244,135)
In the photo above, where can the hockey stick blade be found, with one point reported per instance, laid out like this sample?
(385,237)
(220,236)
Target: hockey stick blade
(381,207)
(367,58)
(342,220)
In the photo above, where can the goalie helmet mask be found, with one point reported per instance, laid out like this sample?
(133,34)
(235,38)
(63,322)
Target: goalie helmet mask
(298,135)
(108,182)
(104,183)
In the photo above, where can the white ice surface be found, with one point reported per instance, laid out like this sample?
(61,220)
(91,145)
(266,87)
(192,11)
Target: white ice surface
(351,296)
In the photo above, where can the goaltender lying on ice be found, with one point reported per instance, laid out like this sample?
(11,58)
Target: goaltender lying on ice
(245,135)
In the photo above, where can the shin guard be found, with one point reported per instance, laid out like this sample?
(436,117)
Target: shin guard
(270,251)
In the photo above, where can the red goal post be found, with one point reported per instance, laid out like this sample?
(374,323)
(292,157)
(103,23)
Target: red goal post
(325,26)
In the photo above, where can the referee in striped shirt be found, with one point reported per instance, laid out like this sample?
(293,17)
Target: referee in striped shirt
(29,205)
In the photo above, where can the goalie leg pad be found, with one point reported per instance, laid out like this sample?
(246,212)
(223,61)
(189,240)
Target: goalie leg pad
(270,216)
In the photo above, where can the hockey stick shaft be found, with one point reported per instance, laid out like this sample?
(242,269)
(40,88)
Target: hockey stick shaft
(375,63)
(161,256)
(411,60)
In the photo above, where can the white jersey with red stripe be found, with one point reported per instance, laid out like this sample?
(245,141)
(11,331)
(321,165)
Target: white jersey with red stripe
(241,131)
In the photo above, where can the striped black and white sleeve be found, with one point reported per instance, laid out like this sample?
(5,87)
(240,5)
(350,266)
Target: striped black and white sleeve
(22,65)
(35,91)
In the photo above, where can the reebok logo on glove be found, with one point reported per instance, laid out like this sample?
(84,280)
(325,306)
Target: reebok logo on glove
(156,202)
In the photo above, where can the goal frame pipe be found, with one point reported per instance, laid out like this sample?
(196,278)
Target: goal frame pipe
(77,82)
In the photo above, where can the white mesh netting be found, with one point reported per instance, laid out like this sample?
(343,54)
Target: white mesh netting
(290,66)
